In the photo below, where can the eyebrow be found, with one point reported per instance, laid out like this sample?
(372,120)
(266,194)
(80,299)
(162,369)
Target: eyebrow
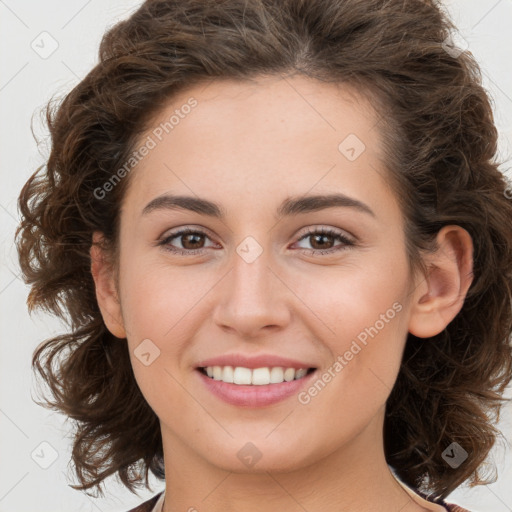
(290,206)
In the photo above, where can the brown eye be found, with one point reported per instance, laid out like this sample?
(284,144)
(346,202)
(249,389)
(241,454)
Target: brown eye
(192,241)
(322,241)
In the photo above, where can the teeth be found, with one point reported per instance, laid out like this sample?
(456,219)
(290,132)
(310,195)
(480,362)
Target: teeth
(260,376)
(276,375)
(228,374)
(242,375)
(255,377)
(300,373)
(289,374)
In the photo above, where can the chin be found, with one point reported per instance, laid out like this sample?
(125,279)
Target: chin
(253,457)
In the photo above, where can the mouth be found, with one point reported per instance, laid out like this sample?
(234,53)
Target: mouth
(263,376)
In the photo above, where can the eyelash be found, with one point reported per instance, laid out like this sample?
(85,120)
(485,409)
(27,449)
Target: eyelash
(347,242)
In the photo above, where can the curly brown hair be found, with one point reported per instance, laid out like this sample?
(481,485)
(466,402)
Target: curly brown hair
(441,141)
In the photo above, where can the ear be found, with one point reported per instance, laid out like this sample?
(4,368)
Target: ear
(106,292)
(439,295)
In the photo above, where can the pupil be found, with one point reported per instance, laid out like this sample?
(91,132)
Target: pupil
(191,235)
(315,237)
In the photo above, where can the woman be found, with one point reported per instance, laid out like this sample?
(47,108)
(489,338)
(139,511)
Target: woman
(284,246)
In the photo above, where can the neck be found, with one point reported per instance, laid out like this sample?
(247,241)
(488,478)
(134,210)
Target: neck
(355,477)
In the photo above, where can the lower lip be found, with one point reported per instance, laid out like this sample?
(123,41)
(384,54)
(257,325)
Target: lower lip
(254,396)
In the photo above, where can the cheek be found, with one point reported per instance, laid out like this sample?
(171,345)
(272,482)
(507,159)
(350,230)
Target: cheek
(365,307)
(157,305)
(158,299)
(161,308)
(363,298)
(376,319)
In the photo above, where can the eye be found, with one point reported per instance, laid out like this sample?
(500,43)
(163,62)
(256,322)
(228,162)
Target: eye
(192,241)
(322,241)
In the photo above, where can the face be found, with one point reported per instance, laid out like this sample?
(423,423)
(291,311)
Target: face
(267,276)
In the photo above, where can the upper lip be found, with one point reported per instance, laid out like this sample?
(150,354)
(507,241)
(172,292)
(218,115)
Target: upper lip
(259,361)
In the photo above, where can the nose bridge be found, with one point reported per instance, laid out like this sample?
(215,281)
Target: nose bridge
(252,295)
(251,272)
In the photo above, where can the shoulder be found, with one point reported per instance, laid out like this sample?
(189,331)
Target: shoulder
(450,507)
(455,508)
(148,506)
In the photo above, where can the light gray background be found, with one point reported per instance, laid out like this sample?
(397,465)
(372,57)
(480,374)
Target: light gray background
(26,83)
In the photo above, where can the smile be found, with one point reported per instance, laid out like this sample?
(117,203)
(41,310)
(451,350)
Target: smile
(254,387)
(255,376)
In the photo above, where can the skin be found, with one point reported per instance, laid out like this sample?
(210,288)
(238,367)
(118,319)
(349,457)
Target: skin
(249,146)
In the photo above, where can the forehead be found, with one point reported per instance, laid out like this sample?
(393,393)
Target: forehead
(283,135)
(269,106)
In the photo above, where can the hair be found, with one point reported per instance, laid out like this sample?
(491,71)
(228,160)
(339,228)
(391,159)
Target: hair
(436,121)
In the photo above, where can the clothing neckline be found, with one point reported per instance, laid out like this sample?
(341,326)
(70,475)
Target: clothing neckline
(419,498)
(416,496)
(160,503)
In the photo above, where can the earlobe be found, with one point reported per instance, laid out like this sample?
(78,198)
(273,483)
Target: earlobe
(106,293)
(440,295)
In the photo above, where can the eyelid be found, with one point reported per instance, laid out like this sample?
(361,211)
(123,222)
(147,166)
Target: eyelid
(348,240)
(329,230)
(196,228)
(182,231)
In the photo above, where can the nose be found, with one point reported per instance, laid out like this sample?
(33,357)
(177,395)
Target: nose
(253,298)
